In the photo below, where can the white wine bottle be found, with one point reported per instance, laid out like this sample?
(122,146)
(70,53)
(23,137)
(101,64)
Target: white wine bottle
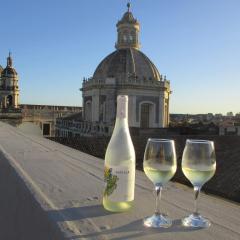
(119,171)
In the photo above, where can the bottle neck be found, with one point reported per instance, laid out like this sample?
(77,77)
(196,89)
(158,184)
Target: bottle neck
(122,109)
(122,113)
(121,126)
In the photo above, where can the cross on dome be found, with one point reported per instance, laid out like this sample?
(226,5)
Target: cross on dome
(9,59)
(128,6)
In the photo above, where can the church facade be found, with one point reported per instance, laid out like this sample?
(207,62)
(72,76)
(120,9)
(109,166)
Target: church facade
(127,71)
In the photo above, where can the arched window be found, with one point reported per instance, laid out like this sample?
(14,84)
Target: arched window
(88,111)
(125,36)
(9,101)
(147,114)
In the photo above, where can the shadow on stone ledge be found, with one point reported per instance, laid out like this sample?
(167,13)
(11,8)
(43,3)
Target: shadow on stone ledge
(21,216)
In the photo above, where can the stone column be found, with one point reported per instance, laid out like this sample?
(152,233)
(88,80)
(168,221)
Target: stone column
(131,111)
(95,107)
(167,112)
(110,106)
(161,110)
(4,102)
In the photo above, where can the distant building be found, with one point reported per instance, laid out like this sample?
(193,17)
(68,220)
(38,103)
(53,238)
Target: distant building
(229,114)
(70,125)
(229,130)
(27,116)
(126,71)
(9,91)
(229,127)
(44,116)
(209,116)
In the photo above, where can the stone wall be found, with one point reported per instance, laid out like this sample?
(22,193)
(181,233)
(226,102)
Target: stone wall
(225,183)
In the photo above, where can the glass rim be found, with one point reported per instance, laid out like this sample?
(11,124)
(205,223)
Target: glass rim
(160,140)
(199,141)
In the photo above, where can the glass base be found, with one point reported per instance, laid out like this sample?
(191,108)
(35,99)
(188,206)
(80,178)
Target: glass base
(157,221)
(196,221)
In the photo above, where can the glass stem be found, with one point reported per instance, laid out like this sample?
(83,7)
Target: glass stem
(196,195)
(158,189)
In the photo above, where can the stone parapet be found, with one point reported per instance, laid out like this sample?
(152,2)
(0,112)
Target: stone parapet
(131,82)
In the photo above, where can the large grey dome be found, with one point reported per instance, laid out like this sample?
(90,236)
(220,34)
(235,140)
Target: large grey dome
(124,63)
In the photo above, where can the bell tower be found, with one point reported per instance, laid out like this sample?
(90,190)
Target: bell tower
(9,91)
(128,31)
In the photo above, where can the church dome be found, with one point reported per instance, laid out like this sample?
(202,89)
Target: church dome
(127,18)
(125,63)
(8,71)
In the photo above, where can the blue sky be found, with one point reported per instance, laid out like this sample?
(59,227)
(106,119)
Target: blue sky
(55,43)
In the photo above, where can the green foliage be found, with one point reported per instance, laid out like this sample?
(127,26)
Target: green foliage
(111,182)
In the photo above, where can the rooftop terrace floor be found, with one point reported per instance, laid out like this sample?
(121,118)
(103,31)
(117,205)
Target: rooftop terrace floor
(68,186)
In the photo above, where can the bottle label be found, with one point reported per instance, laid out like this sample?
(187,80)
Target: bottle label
(119,183)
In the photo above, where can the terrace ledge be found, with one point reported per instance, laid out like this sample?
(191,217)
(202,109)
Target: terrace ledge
(51,191)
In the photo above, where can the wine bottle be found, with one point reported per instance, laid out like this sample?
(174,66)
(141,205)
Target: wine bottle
(119,171)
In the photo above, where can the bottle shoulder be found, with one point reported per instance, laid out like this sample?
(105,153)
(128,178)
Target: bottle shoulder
(120,149)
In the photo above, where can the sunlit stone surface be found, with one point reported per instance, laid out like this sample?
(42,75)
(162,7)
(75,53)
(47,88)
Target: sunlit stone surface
(50,191)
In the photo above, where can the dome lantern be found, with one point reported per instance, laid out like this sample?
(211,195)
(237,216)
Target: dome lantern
(128,31)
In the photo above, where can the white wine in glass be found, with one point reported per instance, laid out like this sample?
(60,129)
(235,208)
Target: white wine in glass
(199,166)
(160,174)
(159,165)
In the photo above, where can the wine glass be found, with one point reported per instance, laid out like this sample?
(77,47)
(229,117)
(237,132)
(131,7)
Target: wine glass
(159,165)
(198,165)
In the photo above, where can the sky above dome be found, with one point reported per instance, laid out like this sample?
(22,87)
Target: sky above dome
(56,43)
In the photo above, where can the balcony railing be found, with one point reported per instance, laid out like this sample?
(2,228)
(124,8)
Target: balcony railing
(11,110)
(164,83)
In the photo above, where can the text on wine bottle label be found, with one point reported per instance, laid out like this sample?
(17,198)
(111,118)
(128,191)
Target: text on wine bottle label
(119,183)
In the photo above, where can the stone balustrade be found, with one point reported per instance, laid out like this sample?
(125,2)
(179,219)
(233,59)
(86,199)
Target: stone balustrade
(89,82)
(81,128)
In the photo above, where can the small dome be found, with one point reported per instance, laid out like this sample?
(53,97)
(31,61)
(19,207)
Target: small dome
(124,63)
(128,17)
(8,71)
